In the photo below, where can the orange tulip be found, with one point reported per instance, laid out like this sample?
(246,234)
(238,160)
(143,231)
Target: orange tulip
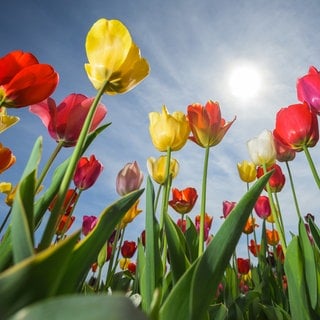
(250,225)
(272,237)
(183,200)
(24,81)
(207,126)
(7,159)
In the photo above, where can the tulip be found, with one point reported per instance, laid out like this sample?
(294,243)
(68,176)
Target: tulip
(7,159)
(132,267)
(128,249)
(168,130)
(297,127)
(114,59)
(65,121)
(262,149)
(64,224)
(308,89)
(183,200)
(130,215)
(254,248)
(87,172)
(207,126)
(6,121)
(277,179)
(262,207)
(272,237)
(69,202)
(24,81)
(157,168)
(124,263)
(250,225)
(243,265)
(88,223)
(227,207)
(182,224)
(247,171)
(207,224)
(129,179)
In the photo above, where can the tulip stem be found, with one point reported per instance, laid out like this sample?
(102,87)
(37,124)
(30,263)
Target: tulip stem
(312,166)
(203,201)
(54,216)
(293,191)
(48,164)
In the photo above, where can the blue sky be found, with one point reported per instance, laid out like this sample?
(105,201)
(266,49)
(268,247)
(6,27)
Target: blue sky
(192,47)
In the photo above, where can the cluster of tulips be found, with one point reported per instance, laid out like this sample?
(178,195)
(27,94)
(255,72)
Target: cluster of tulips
(175,269)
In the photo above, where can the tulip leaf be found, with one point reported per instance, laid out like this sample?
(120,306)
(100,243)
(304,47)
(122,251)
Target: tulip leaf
(152,273)
(192,240)
(22,208)
(98,307)
(6,258)
(294,269)
(315,232)
(176,248)
(35,278)
(87,250)
(309,264)
(207,271)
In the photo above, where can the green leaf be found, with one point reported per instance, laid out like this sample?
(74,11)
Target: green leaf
(294,268)
(87,250)
(315,232)
(192,240)
(177,249)
(80,307)
(218,312)
(205,273)
(34,278)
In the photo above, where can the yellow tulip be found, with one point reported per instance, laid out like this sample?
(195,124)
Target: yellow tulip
(6,121)
(247,171)
(130,215)
(168,130)
(157,168)
(123,263)
(113,58)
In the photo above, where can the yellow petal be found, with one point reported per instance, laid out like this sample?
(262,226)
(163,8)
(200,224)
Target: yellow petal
(7,121)
(5,187)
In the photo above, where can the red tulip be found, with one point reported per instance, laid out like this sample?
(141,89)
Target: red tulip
(308,89)
(277,179)
(65,121)
(7,159)
(243,265)
(128,249)
(64,224)
(24,81)
(183,200)
(88,223)
(69,201)
(207,126)
(297,127)
(284,153)
(254,248)
(87,172)
(262,207)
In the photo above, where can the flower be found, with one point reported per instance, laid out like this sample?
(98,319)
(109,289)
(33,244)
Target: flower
(88,223)
(130,215)
(254,248)
(7,159)
(69,201)
(182,224)
(10,190)
(207,126)
(297,127)
(6,121)
(227,207)
(114,59)
(243,265)
(132,266)
(64,224)
(183,200)
(308,89)
(157,168)
(277,179)
(262,149)
(247,171)
(207,224)
(87,172)
(168,130)
(24,81)
(65,121)
(284,153)
(262,207)
(128,249)
(129,178)
(250,225)
(123,263)
(272,237)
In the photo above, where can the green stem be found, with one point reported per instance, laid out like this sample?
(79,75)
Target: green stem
(312,166)
(54,216)
(293,191)
(203,201)
(48,164)
(5,220)
(275,214)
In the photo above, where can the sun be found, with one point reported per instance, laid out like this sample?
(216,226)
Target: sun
(245,81)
